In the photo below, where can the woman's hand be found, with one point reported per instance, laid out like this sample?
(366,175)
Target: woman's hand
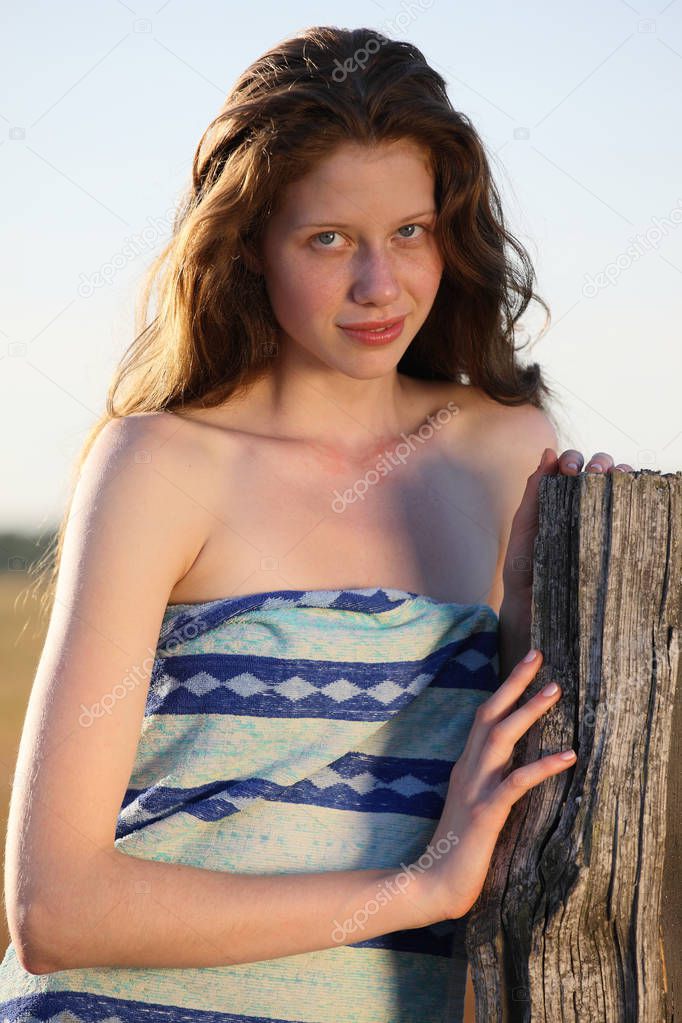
(517,575)
(480,797)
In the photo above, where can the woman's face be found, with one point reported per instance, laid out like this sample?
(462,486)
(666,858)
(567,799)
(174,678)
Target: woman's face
(353,242)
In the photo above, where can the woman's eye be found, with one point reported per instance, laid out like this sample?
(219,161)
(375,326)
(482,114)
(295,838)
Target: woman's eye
(419,226)
(330,234)
(324,234)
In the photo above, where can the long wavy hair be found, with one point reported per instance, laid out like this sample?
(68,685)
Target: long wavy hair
(213,333)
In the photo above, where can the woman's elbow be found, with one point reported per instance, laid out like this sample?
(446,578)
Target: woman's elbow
(27,930)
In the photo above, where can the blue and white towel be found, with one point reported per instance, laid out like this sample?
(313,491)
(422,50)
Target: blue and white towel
(291,732)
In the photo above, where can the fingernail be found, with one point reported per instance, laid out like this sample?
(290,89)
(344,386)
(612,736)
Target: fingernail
(530,656)
(596,467)
(550,689)
(568,754)
(572,465)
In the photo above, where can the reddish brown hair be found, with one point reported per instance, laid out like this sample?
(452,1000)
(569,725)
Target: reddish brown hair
(214,330)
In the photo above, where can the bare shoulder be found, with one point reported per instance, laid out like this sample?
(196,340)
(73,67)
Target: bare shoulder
(505,442)
(199,452)
(512,431)
(516,436)
(159,430)
(517,433)
(524,431)
(157,459)
(173,441)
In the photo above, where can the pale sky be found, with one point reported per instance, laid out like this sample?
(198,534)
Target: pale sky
(103,105)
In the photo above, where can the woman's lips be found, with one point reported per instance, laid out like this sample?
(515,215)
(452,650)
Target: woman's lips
(376,337)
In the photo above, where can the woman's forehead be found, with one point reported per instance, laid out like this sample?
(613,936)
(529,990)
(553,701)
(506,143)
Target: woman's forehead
(349,181)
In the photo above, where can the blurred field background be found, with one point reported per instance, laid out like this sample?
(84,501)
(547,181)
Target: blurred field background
(22,633)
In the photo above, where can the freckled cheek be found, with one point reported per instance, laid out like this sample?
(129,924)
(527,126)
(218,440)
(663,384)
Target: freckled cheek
(300,294)
(425,272)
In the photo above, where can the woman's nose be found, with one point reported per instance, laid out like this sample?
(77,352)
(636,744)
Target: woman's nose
(375,281)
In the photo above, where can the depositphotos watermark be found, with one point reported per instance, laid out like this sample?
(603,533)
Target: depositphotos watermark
(135,245)
(137,674)
(639,246)
(635,688)
(398,455)
(410,10)
(386,890)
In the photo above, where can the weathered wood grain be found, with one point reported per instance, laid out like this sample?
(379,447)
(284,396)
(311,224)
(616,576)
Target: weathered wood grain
(578,920)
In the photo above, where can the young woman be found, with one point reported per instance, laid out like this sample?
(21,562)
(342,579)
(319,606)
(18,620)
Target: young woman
(267,752)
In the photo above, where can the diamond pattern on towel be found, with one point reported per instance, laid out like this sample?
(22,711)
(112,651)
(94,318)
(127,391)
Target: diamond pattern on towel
(245,684)
(472,659)
(340,690)
(201,683)
(296,688)
(407,785)
(386,692)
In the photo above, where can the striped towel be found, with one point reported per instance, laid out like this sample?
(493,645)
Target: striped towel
(285,732)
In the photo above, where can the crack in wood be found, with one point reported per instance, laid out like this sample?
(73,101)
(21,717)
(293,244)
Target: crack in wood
(580,918)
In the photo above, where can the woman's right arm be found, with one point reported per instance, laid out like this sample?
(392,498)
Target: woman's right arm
(72,898)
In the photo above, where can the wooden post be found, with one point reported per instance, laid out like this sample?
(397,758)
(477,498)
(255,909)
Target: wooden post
(580,918)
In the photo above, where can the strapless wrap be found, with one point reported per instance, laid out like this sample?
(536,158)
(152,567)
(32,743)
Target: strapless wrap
(284,732)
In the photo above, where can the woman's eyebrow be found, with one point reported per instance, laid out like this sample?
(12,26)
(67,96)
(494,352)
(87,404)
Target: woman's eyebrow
(330,223)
